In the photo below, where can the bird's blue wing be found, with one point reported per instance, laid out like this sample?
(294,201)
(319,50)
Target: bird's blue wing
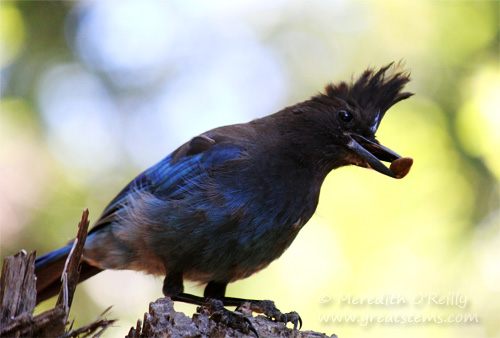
(172,176)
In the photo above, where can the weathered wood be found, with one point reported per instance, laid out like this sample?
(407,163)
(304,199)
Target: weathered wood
(17,286)
(163,321)
(71,271)
(18,296)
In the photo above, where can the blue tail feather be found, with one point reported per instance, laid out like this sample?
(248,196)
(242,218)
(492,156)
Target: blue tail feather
(48,271)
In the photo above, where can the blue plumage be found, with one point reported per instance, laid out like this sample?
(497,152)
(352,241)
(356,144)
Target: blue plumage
(47,259)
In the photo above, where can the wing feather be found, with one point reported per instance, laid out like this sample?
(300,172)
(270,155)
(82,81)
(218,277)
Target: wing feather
(174,175)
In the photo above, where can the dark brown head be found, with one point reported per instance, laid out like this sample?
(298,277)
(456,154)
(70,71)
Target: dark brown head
(352,112)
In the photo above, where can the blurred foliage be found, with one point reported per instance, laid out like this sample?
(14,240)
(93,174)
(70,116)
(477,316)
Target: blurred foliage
(95,92)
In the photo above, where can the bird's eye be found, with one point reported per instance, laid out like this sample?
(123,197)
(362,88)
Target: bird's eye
(345,115)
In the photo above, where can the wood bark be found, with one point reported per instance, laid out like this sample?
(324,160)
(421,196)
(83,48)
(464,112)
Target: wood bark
(163,321)
(18,296)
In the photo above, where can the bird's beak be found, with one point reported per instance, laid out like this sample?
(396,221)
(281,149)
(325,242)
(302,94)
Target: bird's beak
(373,153)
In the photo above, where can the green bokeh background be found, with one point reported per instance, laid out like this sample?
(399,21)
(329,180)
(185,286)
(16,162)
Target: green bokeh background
(434,233)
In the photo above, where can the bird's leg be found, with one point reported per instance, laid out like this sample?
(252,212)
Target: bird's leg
(215,300)
(173,288)
(214,294)
(173,284)
(215,290)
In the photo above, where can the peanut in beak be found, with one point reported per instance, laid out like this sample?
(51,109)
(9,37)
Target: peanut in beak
(401,167)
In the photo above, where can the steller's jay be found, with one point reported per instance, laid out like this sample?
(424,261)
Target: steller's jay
(230,201)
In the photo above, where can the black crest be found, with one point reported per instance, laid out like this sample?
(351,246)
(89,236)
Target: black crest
(373,93)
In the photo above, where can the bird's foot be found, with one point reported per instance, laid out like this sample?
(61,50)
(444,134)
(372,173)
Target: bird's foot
(269,309)
(237,320)
(231,319)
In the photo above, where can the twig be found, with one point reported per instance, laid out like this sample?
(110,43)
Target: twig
(71,271)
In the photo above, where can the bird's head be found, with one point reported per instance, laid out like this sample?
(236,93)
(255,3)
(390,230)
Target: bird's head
(352,113)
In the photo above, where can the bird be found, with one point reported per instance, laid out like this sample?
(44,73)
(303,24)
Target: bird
(228,202)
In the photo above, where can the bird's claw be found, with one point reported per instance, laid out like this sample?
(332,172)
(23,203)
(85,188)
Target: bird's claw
(268,308)
(231,319)
(294,318)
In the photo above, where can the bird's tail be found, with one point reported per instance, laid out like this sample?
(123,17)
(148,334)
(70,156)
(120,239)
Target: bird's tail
(48,271)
